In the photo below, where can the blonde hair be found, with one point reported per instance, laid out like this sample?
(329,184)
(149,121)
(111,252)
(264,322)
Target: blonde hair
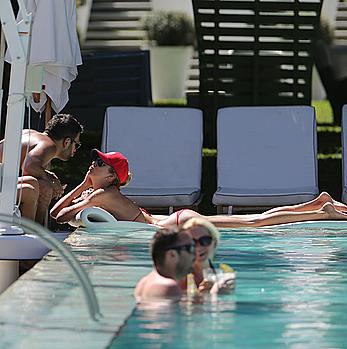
(201,222)
(116,181)
(130,177)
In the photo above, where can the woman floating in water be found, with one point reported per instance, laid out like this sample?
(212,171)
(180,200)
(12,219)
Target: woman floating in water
(110,171)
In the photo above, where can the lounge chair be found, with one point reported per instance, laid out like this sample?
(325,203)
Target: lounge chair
(267,156)
(164,148)
(344,153)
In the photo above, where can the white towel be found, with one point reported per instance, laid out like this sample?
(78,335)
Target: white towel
(55,46)
(98,218)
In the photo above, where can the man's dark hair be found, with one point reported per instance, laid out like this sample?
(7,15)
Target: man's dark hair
(162,240)
(62,126)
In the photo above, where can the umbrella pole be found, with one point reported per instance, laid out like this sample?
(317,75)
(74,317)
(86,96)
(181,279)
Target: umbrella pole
(2,59)
(48,110)
(18,42)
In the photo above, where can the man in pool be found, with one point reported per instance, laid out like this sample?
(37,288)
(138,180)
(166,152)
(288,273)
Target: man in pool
(173,256)
(60,140)
(110,171)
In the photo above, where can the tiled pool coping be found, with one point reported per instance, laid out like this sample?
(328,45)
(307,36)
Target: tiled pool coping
(46,308)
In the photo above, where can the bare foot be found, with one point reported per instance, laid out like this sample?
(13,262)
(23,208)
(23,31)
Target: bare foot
(332,213)
(325,197)
(340,206)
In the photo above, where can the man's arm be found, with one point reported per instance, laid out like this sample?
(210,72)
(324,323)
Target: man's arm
(35,165)
(37,159)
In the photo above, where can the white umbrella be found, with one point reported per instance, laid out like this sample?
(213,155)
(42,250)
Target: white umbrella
(55,47)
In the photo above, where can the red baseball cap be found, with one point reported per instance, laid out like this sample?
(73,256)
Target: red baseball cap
(116,160)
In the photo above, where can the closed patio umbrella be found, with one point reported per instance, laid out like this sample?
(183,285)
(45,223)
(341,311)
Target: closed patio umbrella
(55,47)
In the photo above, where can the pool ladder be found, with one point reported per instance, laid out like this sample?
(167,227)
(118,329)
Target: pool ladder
(51,242)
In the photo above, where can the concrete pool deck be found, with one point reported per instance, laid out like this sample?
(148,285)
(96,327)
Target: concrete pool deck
(46,306)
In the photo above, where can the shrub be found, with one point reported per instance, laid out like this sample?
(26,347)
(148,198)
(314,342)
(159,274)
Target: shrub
(169,29)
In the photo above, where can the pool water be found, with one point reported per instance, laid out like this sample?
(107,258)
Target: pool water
(291,292)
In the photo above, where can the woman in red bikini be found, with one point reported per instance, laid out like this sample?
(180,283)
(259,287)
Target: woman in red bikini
(109,171)
(100,187)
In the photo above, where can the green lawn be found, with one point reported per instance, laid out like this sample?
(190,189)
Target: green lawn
(324,113)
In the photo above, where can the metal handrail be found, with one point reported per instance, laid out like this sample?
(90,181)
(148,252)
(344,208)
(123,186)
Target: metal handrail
(50,241)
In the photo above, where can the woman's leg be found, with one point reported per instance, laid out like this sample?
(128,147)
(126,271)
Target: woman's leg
(326,212)
(314,204)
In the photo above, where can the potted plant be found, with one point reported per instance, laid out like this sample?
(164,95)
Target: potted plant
(171,37)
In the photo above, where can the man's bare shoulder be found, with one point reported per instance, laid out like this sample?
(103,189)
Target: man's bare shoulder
(44,150)
(156,286)
(30,131)
(40,137)
(38,141)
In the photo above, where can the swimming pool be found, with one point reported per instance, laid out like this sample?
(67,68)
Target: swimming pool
(291,292)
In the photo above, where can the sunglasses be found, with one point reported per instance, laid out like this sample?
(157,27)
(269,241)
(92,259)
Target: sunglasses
(204,241)
(77,144)
(188,248)
(98,162)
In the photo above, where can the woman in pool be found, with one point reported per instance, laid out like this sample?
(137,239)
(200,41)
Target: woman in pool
(206,238)
(110,171)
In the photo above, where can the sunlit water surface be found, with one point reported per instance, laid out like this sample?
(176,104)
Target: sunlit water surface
(291,292)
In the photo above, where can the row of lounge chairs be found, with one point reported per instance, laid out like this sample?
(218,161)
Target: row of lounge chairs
(266,156)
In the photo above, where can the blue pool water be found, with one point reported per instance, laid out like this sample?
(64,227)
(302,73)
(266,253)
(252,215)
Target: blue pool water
(291,293)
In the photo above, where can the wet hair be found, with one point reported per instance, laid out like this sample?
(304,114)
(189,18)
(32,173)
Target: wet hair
(63,126)
(201,222)
(162,240)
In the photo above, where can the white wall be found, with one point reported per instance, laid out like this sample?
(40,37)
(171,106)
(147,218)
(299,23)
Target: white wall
(83,13)
(173,5)
(328,13)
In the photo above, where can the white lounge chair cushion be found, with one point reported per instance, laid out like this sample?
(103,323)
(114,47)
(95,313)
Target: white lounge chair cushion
(266,156)
(164,148)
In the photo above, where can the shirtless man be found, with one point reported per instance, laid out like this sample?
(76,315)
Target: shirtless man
(173,255)
(109,171)
(60,140)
